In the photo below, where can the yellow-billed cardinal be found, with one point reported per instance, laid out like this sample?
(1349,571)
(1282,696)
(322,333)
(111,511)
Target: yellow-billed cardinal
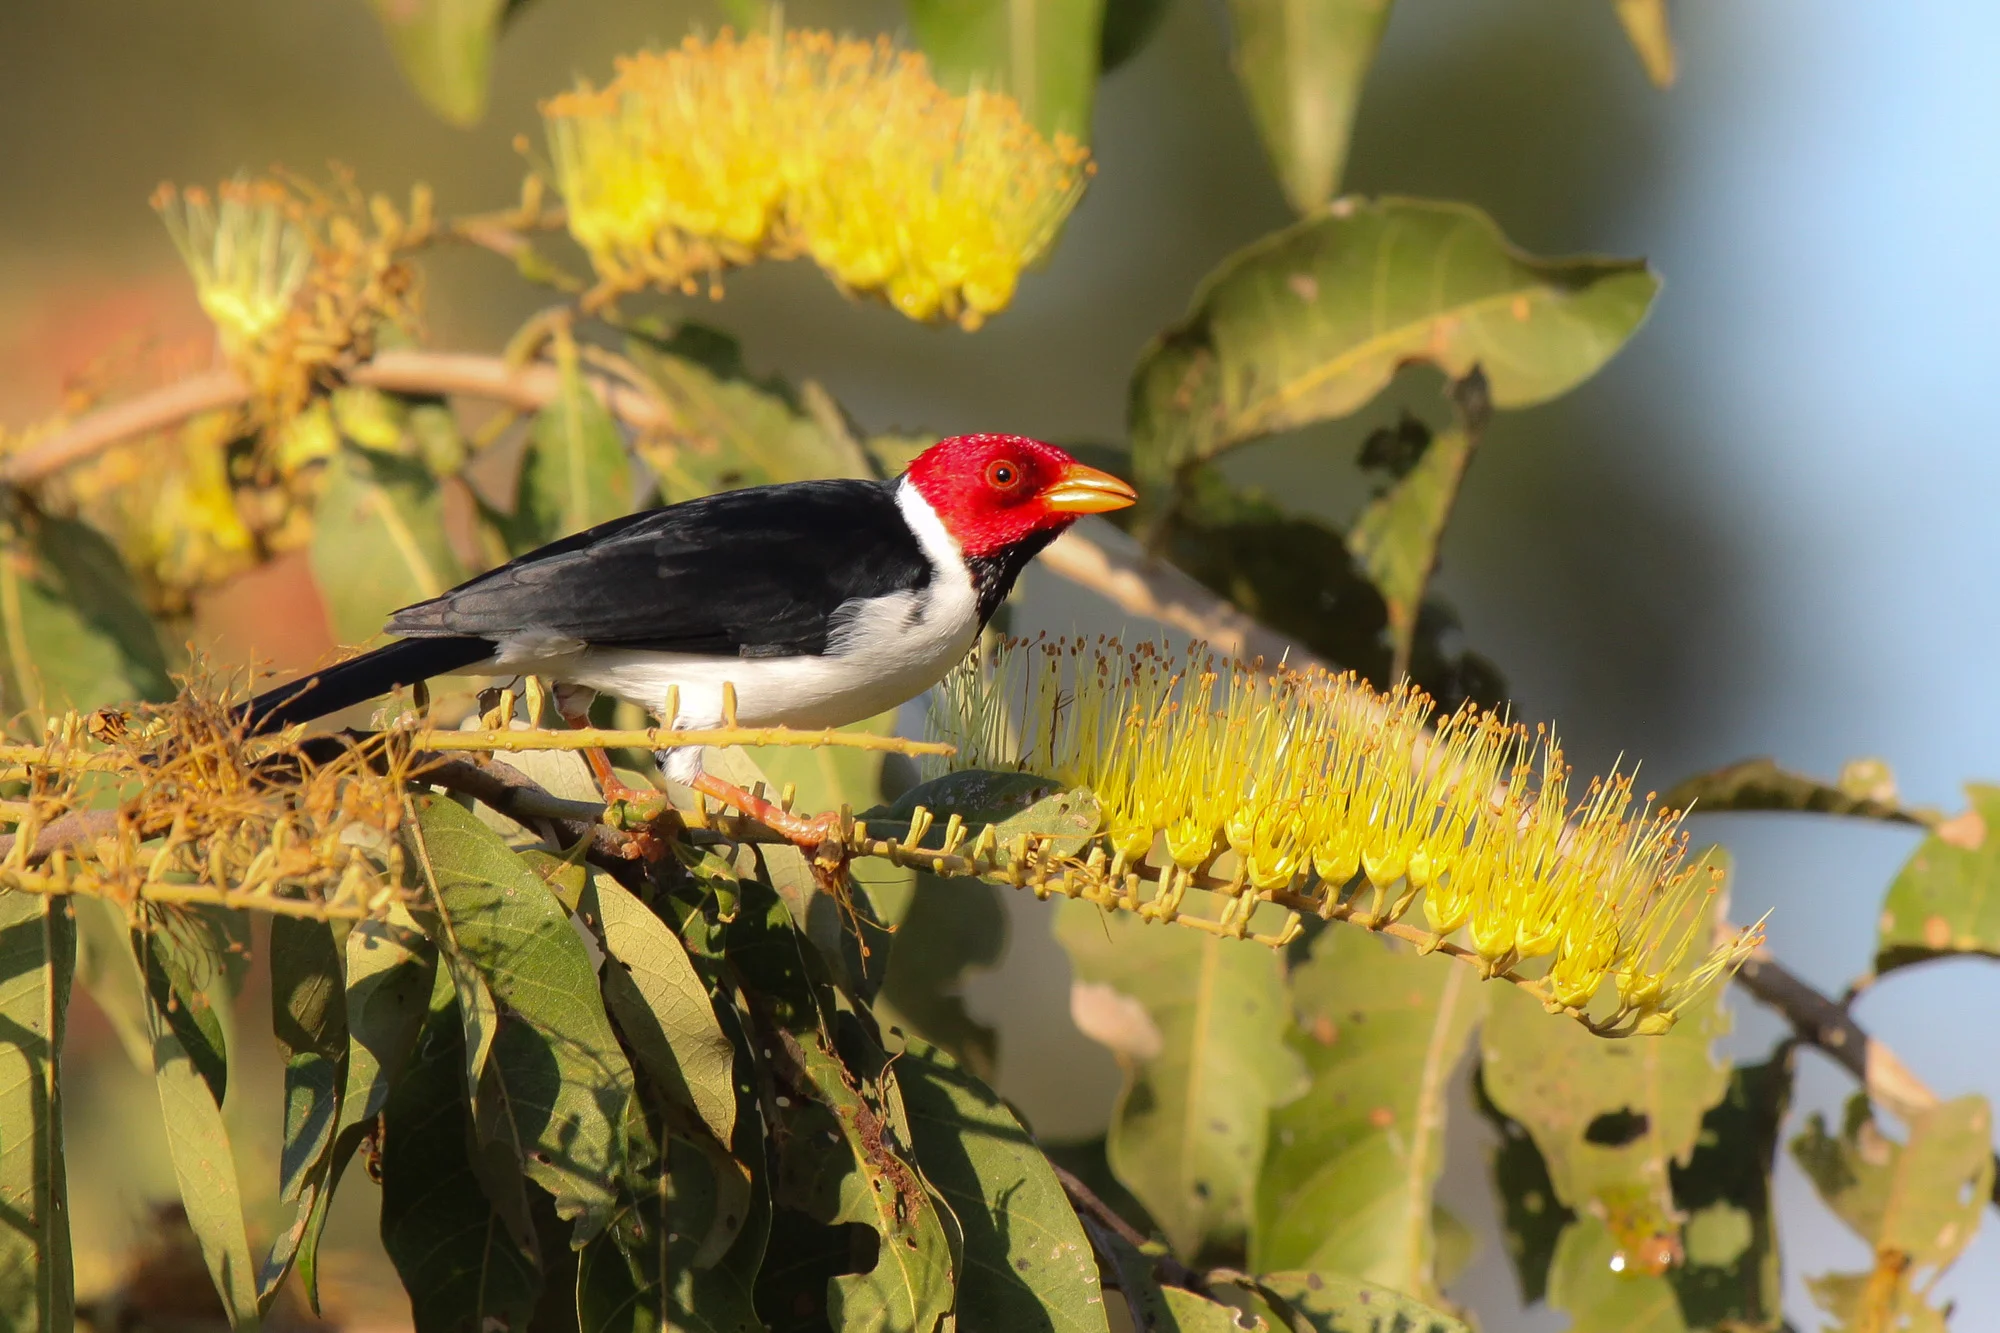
(820,602)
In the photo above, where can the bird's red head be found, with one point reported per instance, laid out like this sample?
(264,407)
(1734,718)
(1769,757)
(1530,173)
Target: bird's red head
(991,491)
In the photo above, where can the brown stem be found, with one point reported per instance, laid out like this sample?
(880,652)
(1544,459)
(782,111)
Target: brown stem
(67,831)
(1171,1270)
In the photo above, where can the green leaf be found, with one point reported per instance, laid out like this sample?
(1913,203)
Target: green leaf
(460,1264)
(726,429)
(1866,1302)
(577,472)
(1351,1166)
(109,974)
(1645,23)
(1310,323)
(76,635)
(1186,1312)
(309,1018)
(1027,1263)
(565,1080)
(391,968)
(1396,537)
(1017,805)
(1302,63)
(1189,1131)
(1760,785)
(378,540)
(1532,1218)
(1922,1198)
(663,1007)
(1946,898)
(1592,1279)
(445,50)
(37,958)
(1322,1302)
(1128,26)
(1043,53)
(949,927)
(183,972)
(196,1139)
(1730,1277)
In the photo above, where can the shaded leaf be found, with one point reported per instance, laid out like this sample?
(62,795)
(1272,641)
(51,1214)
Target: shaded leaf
(1322,1302)
(949,927)
(1532,1218)
(1017,805)
(1645,23)
(1593,1281)
(1302,63)
(196,1139)
(37,959)
(1922,1198)
(1760,785)
(445,50)
(378,540)
(1309,323)
(76,635)
(1043,53)
(565,1080)
(183,974)
(460,1264)
(1730,1278)
(391,968)
(1027,1263)
(662,1006)
(309,1019)
(576,473)
(1351,1166)
(1128,25)
(1946,898)
(109,974)
(1188,1135)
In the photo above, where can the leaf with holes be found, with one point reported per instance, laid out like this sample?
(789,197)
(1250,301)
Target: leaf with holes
(1043,53)
(1946,898)
(1302,63)
(559,1070)
(1310,323)
(1349,1172)
(1322,1302)
(378,540)
(37,958)
(1189,1132)
(1027,1262)
(1730,1276)
(76,634)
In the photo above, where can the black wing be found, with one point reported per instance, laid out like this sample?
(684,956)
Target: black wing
(757,573)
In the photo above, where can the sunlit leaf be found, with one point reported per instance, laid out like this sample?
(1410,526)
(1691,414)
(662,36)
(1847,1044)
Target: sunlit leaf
(577,472)
(1302,63)
(1922,1198)
(1349,1173)
(1946,899)
(1188,1135)
(1027,1261)
(1730,1277)
(1309,323)
(309,1018)
(1593,1280)
(445,49)
(378,540)
(558,1063)
(1645,23)
(1322,1302)
(1044,53)
(37,957)
(461,1265)
(75,634)
(1017,805)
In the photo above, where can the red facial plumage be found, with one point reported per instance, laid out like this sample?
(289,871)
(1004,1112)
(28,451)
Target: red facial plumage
(991,491)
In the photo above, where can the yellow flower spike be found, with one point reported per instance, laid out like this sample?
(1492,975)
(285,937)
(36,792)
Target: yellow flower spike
(248,259)
(726,150)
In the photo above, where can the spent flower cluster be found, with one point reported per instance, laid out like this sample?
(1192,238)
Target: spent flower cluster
(1316,790)
(725,150)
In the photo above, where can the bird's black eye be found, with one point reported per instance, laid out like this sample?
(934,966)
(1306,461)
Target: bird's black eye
(1002,475)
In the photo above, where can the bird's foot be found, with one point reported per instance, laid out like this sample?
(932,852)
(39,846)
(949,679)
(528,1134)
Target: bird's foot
(818,836)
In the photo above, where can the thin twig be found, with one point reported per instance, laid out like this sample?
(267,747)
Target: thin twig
(1171,1270)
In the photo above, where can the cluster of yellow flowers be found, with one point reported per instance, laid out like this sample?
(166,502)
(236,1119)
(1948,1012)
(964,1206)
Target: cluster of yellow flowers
(1319,788)
(723,151)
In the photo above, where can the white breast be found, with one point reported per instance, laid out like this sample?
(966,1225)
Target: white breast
(883,651)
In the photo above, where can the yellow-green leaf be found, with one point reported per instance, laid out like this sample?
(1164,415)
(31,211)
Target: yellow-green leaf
(75,633)
(577,472)
(1922,1198)
(1593,1280)
(445,49)
(1396,538)
(1302,63)
(1323,1302)
(1946,898)
(378,541)
(1645,23)
(37,957)
(1311,322)
(1043,53)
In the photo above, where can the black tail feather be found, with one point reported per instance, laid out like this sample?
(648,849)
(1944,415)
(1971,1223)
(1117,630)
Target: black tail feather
(404,662)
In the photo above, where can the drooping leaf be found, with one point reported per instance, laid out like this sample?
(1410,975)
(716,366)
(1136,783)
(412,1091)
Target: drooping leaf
(1188,1135)
(576,473)
(1760,785)
(1302,63)
(949,927)
(445,50)
(1946,898)
(182,968)
(1323,1302)
(662,1006)
(565,1080)
(76,634)
(109,974)
(391,967)
(1309,323)
(1043,53)
(1645,23)
(378,540)
(37,958)
(1351,1166)
(190,1097)
(727,429)
(1026,1262)
(459,1262)
(1730,1278)
(1128,26)
(1396,537)
(309,1018)
(1593,1280)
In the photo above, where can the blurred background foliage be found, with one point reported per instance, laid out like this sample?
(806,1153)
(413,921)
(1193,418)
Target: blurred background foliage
(1754,533)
